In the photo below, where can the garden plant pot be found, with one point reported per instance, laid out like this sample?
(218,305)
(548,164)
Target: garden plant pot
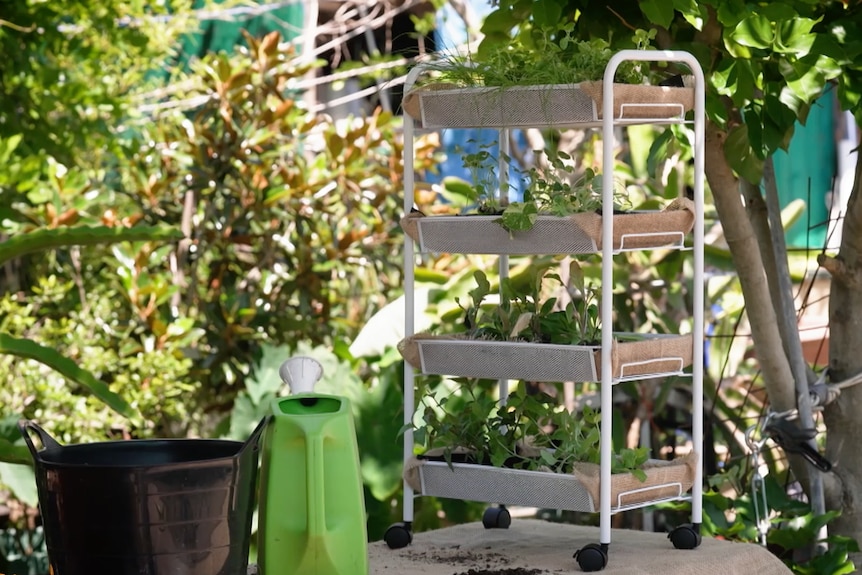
(441,105)
(576,491)
(578,233)
(652,354)
(146,507)
(312,511)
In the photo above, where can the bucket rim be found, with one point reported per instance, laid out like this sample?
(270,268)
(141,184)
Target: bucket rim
(55,455)
(57,458)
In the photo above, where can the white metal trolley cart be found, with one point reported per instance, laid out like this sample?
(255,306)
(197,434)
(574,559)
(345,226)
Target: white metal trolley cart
(554,107)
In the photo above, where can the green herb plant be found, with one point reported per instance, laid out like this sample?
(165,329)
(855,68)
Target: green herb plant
(551,186)
(544,57)
(528,431)
(525,314)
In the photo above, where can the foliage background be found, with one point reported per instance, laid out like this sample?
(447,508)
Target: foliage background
(290,243)
(289,222)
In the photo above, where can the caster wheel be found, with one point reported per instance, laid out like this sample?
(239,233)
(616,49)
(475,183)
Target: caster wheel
(592,557)
(496,518)
(685,536)
(398,535)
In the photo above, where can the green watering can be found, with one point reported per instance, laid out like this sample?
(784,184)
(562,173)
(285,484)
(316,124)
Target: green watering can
(312,511)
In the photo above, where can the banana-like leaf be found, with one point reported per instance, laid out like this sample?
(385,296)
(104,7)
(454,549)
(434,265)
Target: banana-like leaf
(29,349)
(11,453)
(45,239)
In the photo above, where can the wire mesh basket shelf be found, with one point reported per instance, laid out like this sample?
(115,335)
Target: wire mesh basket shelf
(435,106)
(575,234)
(579,491)
(650,355)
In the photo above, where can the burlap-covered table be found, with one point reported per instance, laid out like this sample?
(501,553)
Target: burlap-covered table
(547,548)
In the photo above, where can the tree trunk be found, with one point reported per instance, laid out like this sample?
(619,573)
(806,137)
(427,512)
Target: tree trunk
(746,253)
(842,419)
(745,250)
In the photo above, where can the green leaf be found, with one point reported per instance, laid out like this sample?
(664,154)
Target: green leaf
(456,190)
(45,239)
(793,36)
(658,151)
(754,32)
(377,419)
(731,12)
(338,376)
(778,112)
(498,458)
(697,21)
(424,274)
(844,541)
(21,479)
(735,49)
(716,110)
(818,521)
(577,278)
(735,79)
(793,102)
(659,12)
(790,538)
(776,133)
(29,349)
(547,13)
(500,21)
(277,193)
(640,474)
(483,286)
(246,414)
(696,14)
(777,11)
(740,156)
(519,216)
(12,453)
(7,146)
(9,428)
(833,562)
(266,380)
(804,77)
(755,129)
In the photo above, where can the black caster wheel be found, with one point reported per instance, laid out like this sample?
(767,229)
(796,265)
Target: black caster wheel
(685,536)
(592,557)
(496,518)
(398,535)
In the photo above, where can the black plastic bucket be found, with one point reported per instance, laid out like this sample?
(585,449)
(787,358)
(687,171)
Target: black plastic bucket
(146,507)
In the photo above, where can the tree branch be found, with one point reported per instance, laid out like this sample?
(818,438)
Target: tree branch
(840,272)
(19,28)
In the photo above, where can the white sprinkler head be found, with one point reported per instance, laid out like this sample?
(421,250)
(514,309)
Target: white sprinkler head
(301,373)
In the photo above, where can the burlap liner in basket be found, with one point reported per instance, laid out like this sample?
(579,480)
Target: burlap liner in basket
(677,217)
(662,101)
(412,465)
(626,356)
(410,104)
(409,349)
(664,479)
(669,478)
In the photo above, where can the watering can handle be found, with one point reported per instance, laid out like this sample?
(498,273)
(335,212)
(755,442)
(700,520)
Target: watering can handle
(254,439)
(48,442)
